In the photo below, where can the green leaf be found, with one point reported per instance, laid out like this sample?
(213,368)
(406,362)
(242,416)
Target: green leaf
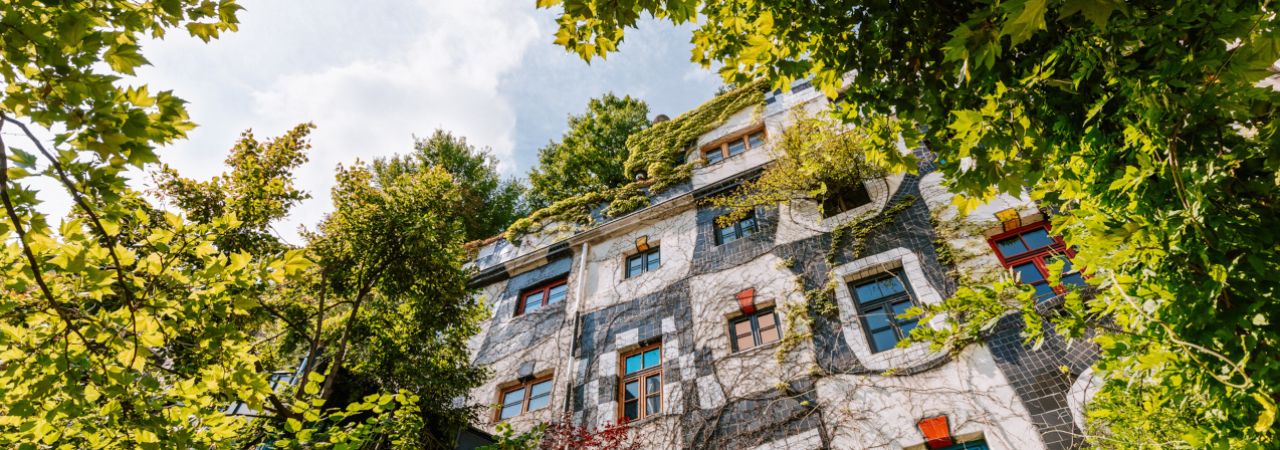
(1268,416)
(124,58)
(1096,11)
(1027,18)
(293,425)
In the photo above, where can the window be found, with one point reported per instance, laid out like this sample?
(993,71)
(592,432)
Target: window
(642,383)
(734,146)
(754,330)
(530,396)
(1029,251)
(542,295)
(840,198)
(881,299)
(971,445)
(643,262)
(735,231)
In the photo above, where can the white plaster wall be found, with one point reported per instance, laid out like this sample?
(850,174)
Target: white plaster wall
(968,238)
(714,304)
(877,412)
(606,281)
(549,357)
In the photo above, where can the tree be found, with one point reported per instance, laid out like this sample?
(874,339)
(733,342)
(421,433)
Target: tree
(128,326)
(489,202)
(1140,123)
(591,154)
(390,262)
(259,189)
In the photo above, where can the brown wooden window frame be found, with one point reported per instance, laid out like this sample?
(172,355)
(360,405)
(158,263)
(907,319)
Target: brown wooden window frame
(543,289)
(721,147)
(525,397)
(757,332)
(641,378)
(1038,258)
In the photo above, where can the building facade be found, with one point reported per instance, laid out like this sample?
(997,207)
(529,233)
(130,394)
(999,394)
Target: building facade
(702,335)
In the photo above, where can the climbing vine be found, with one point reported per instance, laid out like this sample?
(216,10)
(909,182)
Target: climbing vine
(655,154)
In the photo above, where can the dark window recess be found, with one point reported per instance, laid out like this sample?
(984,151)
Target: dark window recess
(737,230)
(1029,251)
(643,262)
(641,383)
(754,330)
(880,301)
(530,396)
(839,199)
(541,295)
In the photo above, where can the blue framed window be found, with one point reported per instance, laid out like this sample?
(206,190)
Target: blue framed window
(880,300)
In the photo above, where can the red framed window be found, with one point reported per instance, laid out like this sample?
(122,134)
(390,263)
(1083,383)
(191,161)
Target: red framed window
(641,387)
(1029,250)
(529,396)
(548,293)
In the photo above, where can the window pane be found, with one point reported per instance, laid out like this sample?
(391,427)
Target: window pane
(513,398)
(654,405)
(631,410)
(766,320)
(757,139)
(542,388)
(742,329)
(748,226)
(652,358)
(1066,262)
(1028,273)
(634,266)
(654,260)
(510,411)
(878,289)
(883,340)
(1011,246)
(533,303)
(1044,292)
(557,293)
(745,341)
(1073,279)
(900,307)
(631,391)
(877,320)
(727,235)
(633,363)
(768,328)
(907,326)
(653,385)
(1037,238)
(714,156)
(737,147)
(539,402)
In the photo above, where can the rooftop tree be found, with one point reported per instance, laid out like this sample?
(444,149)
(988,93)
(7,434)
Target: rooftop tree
(591,155)
(1142,124)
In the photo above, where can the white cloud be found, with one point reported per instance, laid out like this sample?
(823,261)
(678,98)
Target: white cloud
(368,74)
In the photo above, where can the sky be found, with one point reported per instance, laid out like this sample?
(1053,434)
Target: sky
(373,74)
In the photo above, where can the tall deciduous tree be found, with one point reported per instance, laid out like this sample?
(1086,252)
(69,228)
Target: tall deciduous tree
(1141,123)
(489,202)
(591,154)
(390,260)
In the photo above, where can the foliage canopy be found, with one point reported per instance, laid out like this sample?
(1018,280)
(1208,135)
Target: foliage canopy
(1141,123)
(590,155)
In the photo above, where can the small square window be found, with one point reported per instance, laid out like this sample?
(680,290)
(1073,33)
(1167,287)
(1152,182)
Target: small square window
(738,230)
(754,330)
(734,146)
(529,396)
(643,262)
(548,293)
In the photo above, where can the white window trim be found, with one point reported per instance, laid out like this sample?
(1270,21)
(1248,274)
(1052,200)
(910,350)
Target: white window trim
(851,323)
